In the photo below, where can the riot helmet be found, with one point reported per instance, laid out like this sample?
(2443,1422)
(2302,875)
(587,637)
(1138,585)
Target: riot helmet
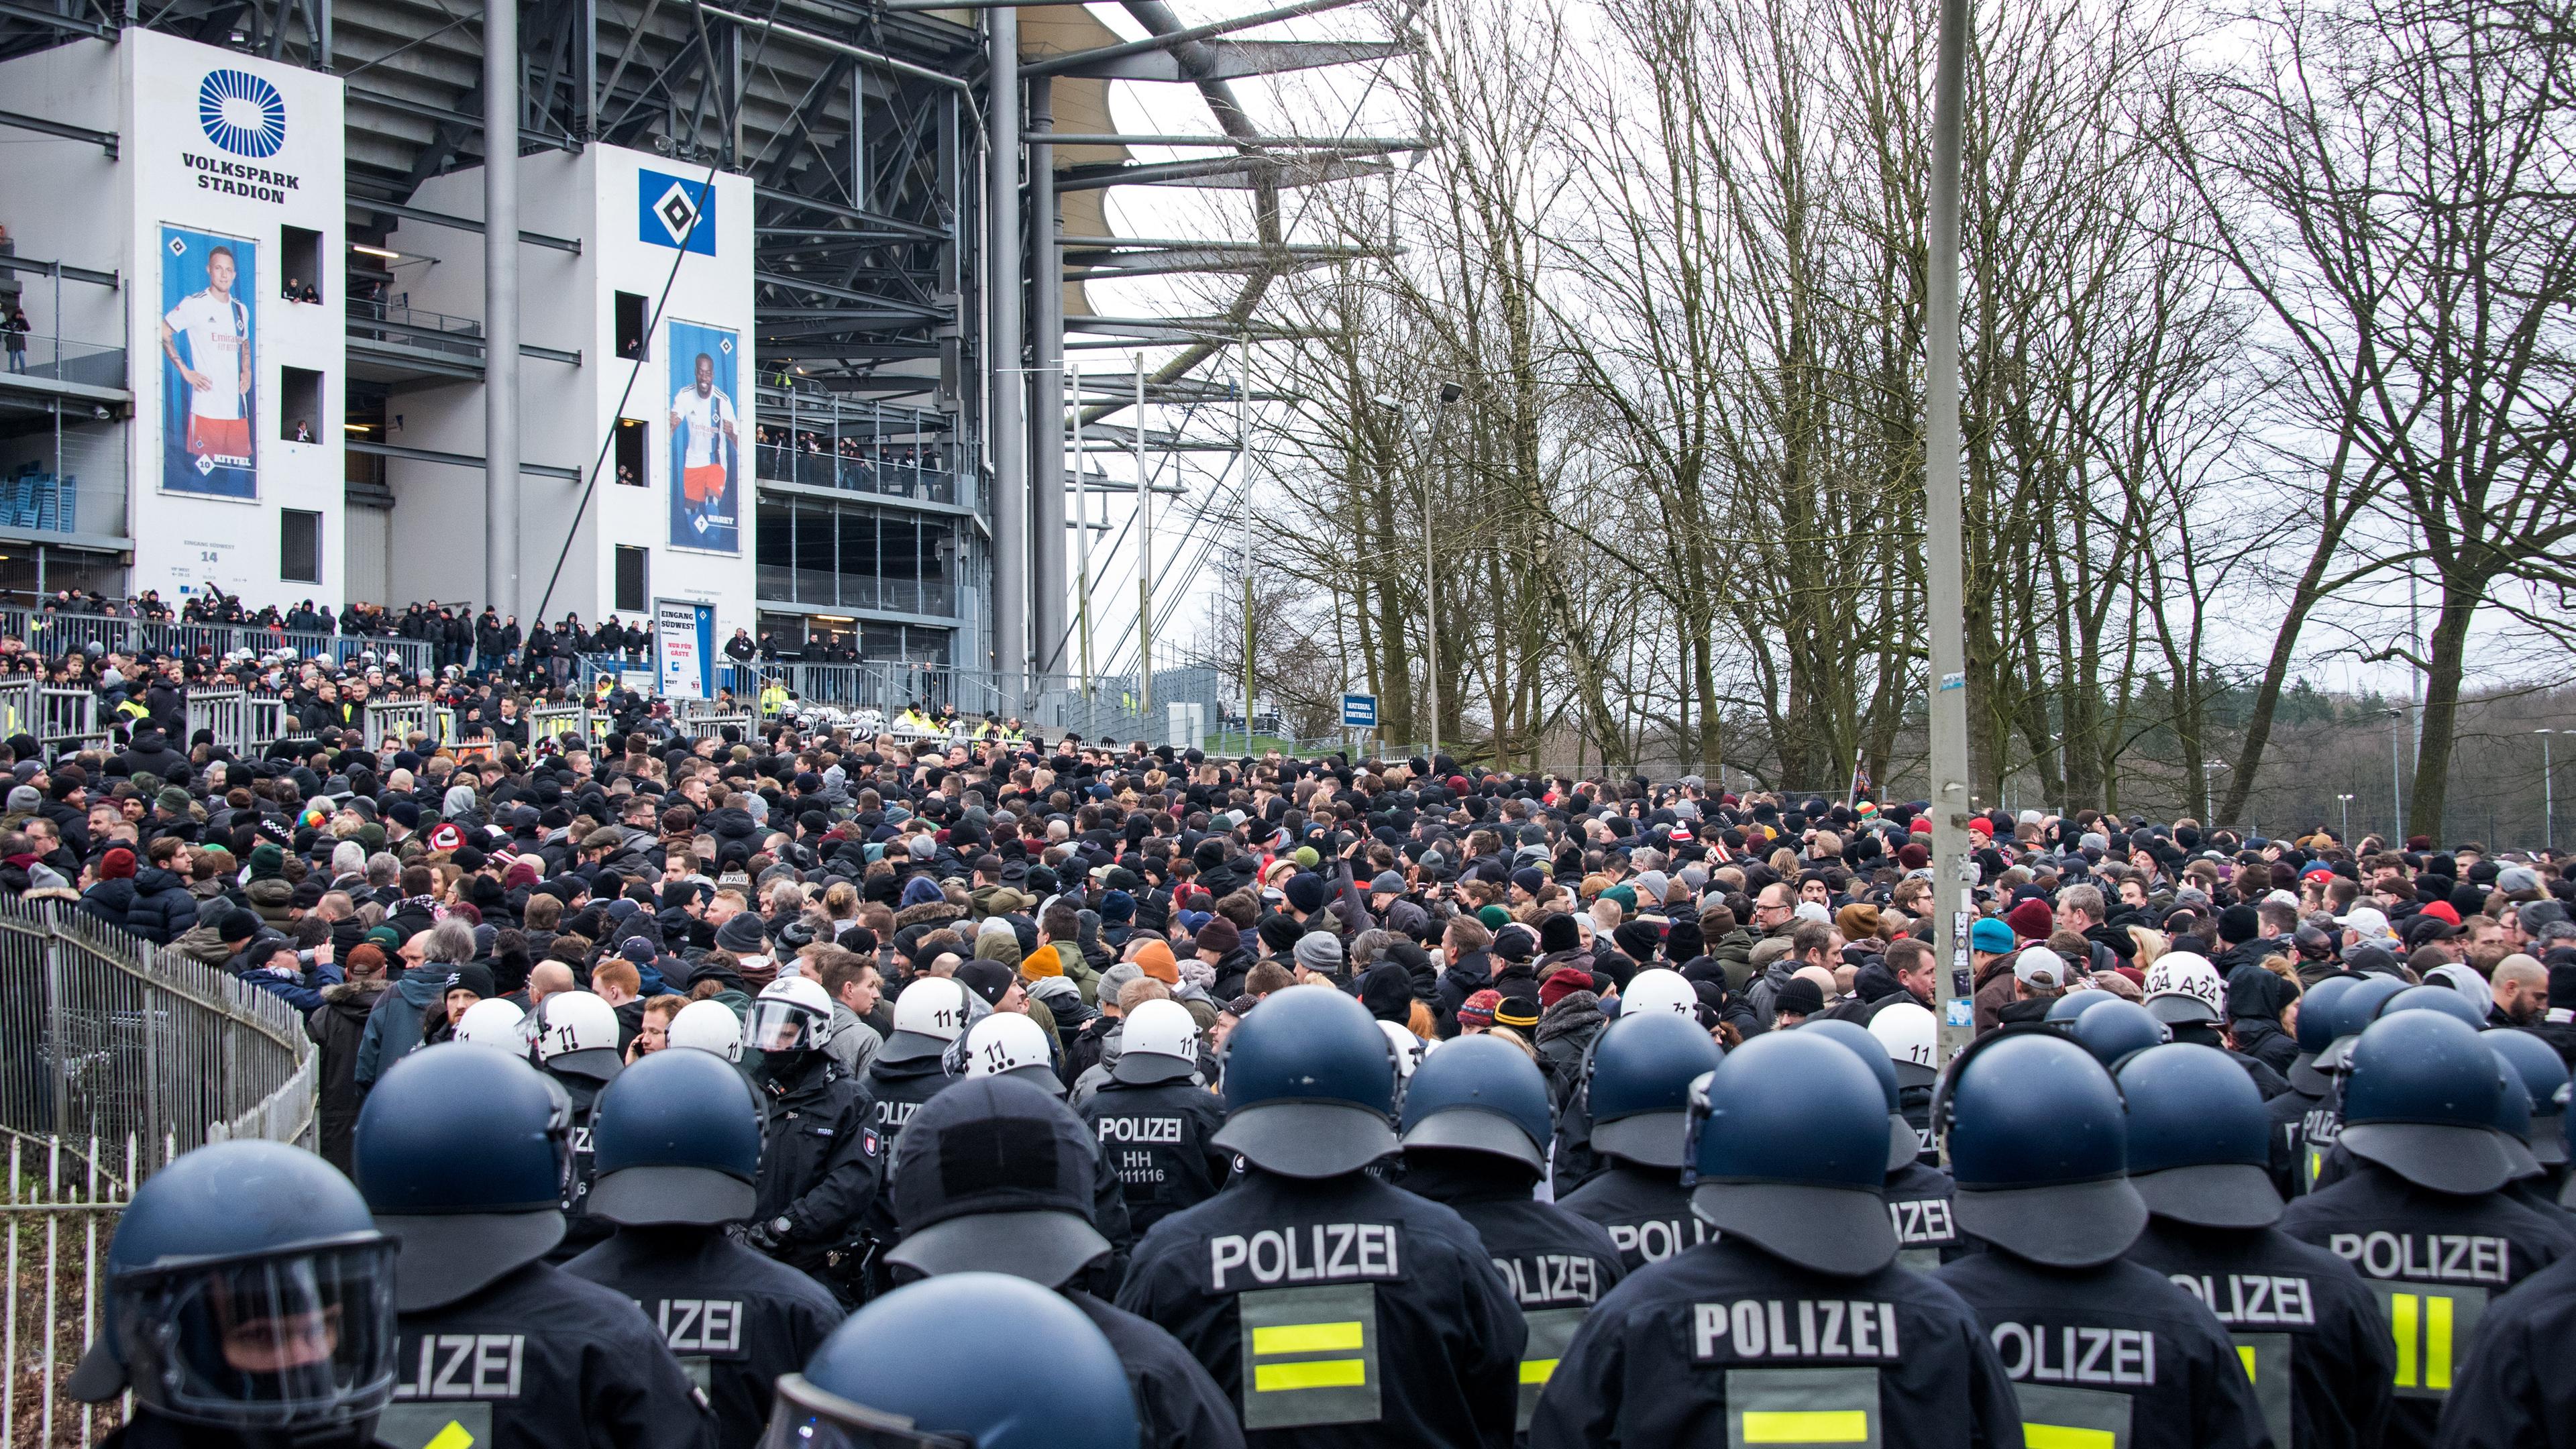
(675,1139)
(1787,1149)
(2199,1138)
(1639,1087)
(1309,1085)
(1480,1094)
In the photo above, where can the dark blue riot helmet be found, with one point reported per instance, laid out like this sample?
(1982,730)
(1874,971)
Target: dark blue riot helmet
(1903,1146)
(2513,1123)
(2318,1017)
(2072,1004)
(1309,1085)
(1480,1094)
(465,1156)
(2038,1143)
(2421,1098)
(2545,1076)
(675,1139)
(2199,1138)
(2437,998)
(1639,1086)
(2113,1029)
(996,1174)
(1787,1142)
(913,1370)
(2351,1011)
(248,1289)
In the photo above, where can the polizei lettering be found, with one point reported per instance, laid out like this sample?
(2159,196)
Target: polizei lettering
(1656,1239)
(2118,1357)
(1923,1220)
(1823,1328)
(1307,1253)
(462,1366)
(232,178)
(2427,1257)
(700,1325)
(1141,1129)
(2253,1299)
(1552,1280)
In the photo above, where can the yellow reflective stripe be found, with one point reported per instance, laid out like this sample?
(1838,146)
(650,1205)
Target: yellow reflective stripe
(1322,1373)
(451,1437)
(1533,1370)
(2437,1341)
(1306,1337)
(1809,1426)
(2062,1436)
(2244,1351)
(2403,1317)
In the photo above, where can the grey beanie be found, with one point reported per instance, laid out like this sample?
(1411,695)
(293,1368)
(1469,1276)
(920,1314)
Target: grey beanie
(1320,951)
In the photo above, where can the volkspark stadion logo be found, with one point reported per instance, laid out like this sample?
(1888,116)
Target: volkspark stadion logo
(242,114)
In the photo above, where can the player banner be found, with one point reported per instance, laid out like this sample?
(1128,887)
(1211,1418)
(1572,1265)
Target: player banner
(209,352)
(706,436)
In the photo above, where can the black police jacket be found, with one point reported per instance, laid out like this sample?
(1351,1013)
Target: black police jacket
(1156,1141)
(1177,1405)
(541,1360)
(1557,1264)
(2515,1391)
(2303,1127)
(149,1430)
(820,1162)
(582,1232)
(2116,1351)
(1339,1312)
(1726,1344)
(890,1092)
(2308,1329)
(2436,1262)
(734,1319)
(1645,1209)
(1918,1203)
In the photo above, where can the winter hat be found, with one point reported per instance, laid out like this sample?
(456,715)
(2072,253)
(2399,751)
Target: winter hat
(1320,951)
(638,950)
(1305,892)
(1561,983)
(1117,906)
(1387,992)
(987,979)
(1478,1010)
(173,799)
(1798,994)
(2031,920)
(1155,959)
(476,977)
(1558,933)
(1518,1012)
(1279,935)
(1219,935)
(1990,935)
(267,861)
(117,864)
(2239,924)
(1042,964)
(740,934)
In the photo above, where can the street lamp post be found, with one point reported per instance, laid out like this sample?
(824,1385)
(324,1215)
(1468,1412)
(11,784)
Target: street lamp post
(2397,773)
(1449,393)
(2347,818)
(2548,795)
(2208,792)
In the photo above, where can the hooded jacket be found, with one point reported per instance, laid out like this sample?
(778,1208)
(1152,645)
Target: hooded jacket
(336,1026)
(393,1025)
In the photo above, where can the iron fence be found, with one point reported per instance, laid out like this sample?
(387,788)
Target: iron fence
(52,632)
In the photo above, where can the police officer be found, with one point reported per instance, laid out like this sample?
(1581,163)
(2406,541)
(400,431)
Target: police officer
(1654,990)
(1475,1137)
(915,1369)
(2514,1391)
(1330,1307)
(1792,1324)
(2347,1013)
(1007,1044)
(577,1046)
(1156,1119)
(2421,1213)
(1639,1093)
(995,1175)
(2543,1074)
(2290,1114)
(1917,1193)
(907,1071)
(1911,1038)
(708,1026)
(820,1161)
(2307,1328)
(2094,1344)
(677,1144)
(2186,993)
(463,1155)
(249,1302)
(2338,1164)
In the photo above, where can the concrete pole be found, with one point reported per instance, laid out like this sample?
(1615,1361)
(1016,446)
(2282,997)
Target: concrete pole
(1046,391)
(1081,536)
(1953,874)
(1002,285)
(501,306)
(1144,559)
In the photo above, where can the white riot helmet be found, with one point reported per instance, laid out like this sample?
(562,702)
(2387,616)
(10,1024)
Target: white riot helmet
(1913,1041)
(1159,1042)
(1406,1047)
(710,1026)
(1659,988)
(495,1023)
(577,1033)
(1007,1044)
(2184,989)
(792,1014)
(930,1014)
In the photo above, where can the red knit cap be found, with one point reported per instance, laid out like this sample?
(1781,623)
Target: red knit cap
(1561,983)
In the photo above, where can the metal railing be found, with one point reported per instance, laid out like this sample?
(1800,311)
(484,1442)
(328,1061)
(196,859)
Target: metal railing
(43,351)
(51,633)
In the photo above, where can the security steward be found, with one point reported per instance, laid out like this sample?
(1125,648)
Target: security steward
(249,1303)
(1156,1119)
(1792,1324)
(1639,1092)
(1331,1308)
(677,1143)
(2094,1344)
(463,1153)
(997,1176)
(2422,1213)
(820,1161)
(2291,1113)
(1475,1138)
(2307,1328)
(2515,1391)
(1917,1194)
(916,1369)
(577,1046)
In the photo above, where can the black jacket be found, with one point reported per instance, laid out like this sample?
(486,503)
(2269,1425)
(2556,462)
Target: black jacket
(1918,1203)
(336,1027)
(1646,1211)
(1177,1405)
(1158,1141)
(2515,1391)
(821,1162)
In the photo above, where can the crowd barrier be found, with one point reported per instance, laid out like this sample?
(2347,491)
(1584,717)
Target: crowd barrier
(53,633)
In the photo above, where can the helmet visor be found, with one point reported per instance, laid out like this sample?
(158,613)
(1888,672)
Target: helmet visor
(806,1417)
(268,1341)
(778,1026)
